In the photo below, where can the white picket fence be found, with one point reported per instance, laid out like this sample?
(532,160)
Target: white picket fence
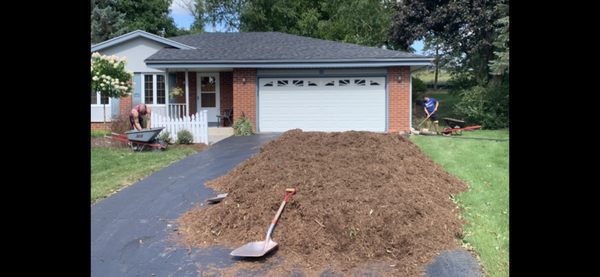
(197,124)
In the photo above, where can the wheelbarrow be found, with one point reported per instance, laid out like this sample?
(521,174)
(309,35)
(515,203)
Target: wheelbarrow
(457,126)
(142,139)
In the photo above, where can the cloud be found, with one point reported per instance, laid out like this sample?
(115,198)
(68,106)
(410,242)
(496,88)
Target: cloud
(177,9)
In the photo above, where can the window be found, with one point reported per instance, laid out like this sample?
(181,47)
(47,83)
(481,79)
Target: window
(373,83)
(160,89)
(330,84)
(148,89)
(344,82)
(311,84)
(208,100)
(282,83)
(208,92)
(268,84)
(298,83)
(360,82)
(98,99)
(94,98)
(154,89)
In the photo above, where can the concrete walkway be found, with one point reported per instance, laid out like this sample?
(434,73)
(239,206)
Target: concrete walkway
(131,230)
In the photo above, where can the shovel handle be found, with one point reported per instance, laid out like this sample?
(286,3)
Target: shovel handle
(288,193)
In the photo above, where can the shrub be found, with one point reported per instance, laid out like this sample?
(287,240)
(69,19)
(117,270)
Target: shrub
(165,137)
(185,137)
(242,126)
(487,106)
(418,86)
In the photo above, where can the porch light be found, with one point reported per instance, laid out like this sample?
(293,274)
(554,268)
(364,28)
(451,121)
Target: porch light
(399,78)
(243,80)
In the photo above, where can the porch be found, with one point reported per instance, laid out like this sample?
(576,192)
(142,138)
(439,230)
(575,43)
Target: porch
(210,91)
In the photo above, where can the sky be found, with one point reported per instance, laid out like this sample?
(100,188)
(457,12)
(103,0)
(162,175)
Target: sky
(183,19)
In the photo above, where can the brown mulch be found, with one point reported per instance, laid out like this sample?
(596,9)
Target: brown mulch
(106,142)
(364,199)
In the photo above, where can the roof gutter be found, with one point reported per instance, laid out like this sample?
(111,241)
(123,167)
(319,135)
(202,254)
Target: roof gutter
(339,64)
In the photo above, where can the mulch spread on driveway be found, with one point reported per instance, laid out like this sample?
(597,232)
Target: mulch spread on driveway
(365,201)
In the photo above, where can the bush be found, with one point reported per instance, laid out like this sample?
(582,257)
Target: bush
(121,124)
(486,106)
(418,85)
(242,126)
(185,137)
(165,137)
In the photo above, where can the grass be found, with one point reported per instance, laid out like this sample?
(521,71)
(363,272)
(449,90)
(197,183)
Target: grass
(484,166)
(99,133)
(116,168)
(427,76)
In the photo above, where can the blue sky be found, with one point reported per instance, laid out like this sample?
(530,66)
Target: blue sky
(183,19)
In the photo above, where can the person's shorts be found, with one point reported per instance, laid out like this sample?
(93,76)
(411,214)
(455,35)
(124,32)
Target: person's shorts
(434,117)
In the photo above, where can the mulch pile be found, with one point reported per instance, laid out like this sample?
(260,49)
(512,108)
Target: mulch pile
(363,198)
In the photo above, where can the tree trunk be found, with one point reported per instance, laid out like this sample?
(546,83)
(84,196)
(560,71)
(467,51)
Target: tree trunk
(104,113)
(437,68)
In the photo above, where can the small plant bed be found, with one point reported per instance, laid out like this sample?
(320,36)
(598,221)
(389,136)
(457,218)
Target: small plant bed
(365,201)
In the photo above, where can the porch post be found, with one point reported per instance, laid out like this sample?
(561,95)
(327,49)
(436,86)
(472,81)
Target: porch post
(168,113)
(187,94)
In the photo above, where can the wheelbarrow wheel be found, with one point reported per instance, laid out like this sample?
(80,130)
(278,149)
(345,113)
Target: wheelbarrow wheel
(459,133)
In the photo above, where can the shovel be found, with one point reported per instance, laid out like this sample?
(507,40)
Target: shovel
(217,198)
(260,248)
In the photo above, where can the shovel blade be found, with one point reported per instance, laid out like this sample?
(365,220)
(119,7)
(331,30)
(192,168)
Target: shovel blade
(217,198)
(254,249)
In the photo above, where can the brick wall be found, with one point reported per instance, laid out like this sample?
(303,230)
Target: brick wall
(244,94)
(226,86)
(399,101)
(97,126)
(180,82)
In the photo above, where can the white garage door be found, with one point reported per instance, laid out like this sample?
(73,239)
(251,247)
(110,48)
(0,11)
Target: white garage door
(322,104)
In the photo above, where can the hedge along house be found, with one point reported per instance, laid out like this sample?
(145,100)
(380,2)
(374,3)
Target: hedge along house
(277,80)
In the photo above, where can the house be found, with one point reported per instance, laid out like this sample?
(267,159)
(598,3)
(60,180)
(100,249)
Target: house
(279,81)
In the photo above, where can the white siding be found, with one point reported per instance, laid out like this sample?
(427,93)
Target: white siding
(320,107)
(136,51)
(97,115)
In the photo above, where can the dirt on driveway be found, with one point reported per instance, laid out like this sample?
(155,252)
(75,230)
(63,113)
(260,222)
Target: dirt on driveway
(365,201)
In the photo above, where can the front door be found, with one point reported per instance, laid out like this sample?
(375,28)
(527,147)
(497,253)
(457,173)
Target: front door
(208,96)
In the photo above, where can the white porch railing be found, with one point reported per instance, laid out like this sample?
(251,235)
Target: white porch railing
(197,124)
(177,110)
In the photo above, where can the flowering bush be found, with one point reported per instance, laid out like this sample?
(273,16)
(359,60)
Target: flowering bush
(109,76)
(176,91)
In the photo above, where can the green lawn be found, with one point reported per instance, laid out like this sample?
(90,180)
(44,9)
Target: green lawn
(428,76)
(99,133)
(484,166)
(115,168)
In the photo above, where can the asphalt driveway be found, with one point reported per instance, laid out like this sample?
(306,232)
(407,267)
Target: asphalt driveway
(130,231)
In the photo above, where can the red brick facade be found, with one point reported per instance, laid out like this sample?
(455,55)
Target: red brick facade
(97,126)
(244,94)
(399,99)
(226,87)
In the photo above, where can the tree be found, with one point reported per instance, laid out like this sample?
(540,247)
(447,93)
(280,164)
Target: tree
(110,78)
(466,28)
(106,21)
(365,22)
(435,47)
(196,10)
(149,15)
(500,65)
